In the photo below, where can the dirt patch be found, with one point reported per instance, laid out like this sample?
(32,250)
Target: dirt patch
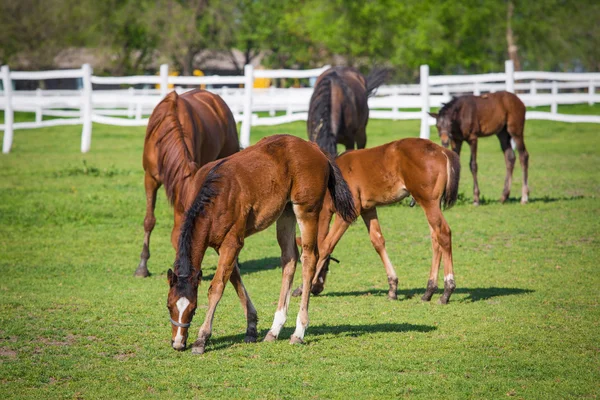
(124,356)
(68,341)
(6,353)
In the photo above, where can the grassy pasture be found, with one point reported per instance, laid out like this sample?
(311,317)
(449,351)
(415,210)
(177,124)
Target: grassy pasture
(523,322)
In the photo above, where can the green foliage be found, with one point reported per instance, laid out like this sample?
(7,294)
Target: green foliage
(523,322)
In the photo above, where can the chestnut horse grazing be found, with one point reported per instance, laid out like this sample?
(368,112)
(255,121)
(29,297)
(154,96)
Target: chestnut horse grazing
(282,178)
(466,118)
(338,110)
(385,175)
(184,132)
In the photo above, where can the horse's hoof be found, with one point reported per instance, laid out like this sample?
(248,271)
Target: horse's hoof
(199,350)
(270,337)
(523,201)
(297,292)
(443,300)
(475,203)
(141,272)
(250,339)
(296,340)
(393,296)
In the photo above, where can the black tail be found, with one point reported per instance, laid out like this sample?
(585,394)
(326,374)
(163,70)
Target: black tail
(375,79)
(453,176)
(340,193)
(183,262)
(319,116)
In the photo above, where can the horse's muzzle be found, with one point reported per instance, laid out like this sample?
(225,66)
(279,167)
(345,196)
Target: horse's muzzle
(179,346)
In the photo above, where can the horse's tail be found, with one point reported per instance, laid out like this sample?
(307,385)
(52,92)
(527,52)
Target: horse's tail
(453,176)
(175,161)
(340,193)
(375,79)
(183,262)
(324,117)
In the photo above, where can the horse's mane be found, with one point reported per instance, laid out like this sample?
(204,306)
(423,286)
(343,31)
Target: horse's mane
(208,191)
(175,162)
(447,107)
(375,79)
(320,111)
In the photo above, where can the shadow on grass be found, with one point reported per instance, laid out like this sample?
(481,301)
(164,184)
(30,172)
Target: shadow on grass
(314,332)
(474,294)
(512,200)
(252,266)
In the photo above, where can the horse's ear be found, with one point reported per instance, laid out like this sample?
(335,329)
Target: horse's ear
(434,115)
(171,277)
(196,277)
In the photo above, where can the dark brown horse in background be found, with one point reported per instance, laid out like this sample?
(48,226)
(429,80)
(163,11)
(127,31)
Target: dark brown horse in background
(385,175)
(184,132)
(338,110)
(282,178)
(466,118)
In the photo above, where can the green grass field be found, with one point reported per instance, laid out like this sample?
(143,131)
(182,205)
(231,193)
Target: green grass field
(523,322)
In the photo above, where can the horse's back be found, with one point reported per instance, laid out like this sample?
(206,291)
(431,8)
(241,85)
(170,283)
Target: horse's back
(210,117)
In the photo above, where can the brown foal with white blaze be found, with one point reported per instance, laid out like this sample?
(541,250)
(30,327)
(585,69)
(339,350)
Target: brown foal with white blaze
(184,132)
(466,118)
(385,175)
(282,178)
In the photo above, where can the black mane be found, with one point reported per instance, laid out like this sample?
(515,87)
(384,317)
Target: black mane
(208,191)
(447,107)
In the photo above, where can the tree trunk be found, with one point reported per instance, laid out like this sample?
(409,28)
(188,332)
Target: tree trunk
(510,38)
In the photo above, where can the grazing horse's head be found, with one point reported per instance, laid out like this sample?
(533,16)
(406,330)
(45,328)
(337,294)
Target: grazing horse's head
(443,122)
(182,303)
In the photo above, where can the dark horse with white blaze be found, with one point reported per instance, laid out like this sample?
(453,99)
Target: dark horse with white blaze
(385,175)
(184,132)
(338,110)
(466,118)
(282,178)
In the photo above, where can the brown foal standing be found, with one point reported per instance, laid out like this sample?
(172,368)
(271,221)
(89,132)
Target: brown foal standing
(184,132)
(282,178)
(385,175)
(466,118)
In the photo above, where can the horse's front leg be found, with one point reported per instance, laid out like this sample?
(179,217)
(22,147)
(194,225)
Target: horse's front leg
(249,310)
(473,164)
(151,185)
(227,257)
(378,242)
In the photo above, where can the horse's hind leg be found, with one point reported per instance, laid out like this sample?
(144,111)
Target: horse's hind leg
(286,237)
(249,310)
(441,243)
(509,158)
(308,220)
(378,241)
(227,258)
(524,159)
(326,248)
(151,185)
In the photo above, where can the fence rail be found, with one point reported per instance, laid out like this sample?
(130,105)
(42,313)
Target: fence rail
(131,106)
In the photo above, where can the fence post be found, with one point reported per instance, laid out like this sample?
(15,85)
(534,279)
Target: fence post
(164,80)
(592,93)
(509,70)
(247,116)
(476,89)
(8,110)
(424,101)
(554,105)
(395,109)
(130,95)
(86,133)
(38,107)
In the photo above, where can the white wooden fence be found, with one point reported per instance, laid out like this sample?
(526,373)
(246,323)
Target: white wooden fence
(129,107)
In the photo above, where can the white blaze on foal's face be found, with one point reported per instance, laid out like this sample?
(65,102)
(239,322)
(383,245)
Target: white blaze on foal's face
(179,341)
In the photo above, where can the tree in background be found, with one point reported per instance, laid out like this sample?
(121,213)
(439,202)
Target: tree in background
(470,36)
